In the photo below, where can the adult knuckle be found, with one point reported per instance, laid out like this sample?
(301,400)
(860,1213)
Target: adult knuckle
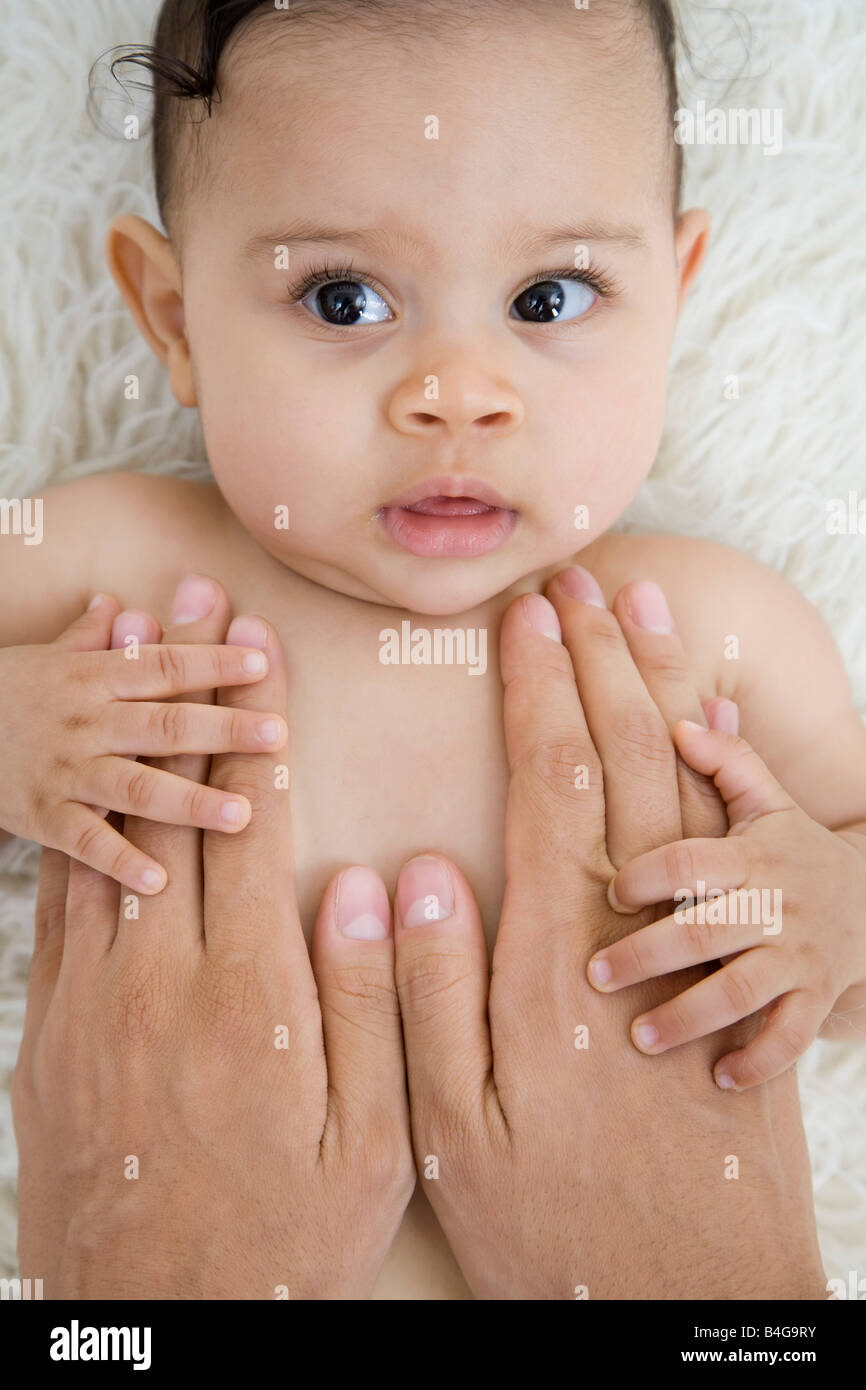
(367,987)
(553,760)
(430,979)
(230,992)
(641,742)
(141,1004)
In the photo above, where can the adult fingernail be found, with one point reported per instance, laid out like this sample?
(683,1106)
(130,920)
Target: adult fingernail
(645,1035)
(579,583)
(128,625)
(648,607)
(234,812)
(153,879)
(269,731)
(194,598)
(361,908)
(599,971)
(247,632)
(724,715)
(424,892)
(541,615)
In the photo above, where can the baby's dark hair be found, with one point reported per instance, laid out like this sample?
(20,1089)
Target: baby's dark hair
(191,37)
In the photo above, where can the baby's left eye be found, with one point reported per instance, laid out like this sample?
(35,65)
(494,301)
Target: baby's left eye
(342,303)
(549,301)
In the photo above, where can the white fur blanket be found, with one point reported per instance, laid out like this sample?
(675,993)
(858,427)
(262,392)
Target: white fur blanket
(779,305)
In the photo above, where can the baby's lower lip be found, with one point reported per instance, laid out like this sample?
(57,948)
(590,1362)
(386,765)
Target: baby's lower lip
(448,526)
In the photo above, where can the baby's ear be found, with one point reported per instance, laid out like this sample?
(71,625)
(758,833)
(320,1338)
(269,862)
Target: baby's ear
(145,271)
(691,239)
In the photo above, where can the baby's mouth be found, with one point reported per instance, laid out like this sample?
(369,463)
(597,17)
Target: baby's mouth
(450,517)
(450,506)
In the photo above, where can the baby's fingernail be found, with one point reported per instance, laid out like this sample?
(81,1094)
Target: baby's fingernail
(97,602)
(254,663)
(269,731)
(648,607)
(614,900)
(579,583)
(194,598)
(152,879)
(541,615)
(724,715)
(599,971)
(726,1082)
(247,632)
(361,910)
(233,812)
(645,1035)
(424,892)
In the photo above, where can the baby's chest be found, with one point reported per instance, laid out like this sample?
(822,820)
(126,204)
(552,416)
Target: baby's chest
(384,767)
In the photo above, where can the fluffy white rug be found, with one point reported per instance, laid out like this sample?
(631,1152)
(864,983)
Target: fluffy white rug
(780,306)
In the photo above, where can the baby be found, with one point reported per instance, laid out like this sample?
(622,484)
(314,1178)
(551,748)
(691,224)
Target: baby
(424,267)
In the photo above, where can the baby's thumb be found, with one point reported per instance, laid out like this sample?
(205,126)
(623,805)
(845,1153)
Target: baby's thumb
(746,783)
(92,631)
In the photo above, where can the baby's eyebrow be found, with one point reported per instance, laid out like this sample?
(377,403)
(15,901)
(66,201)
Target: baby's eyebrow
(523,240)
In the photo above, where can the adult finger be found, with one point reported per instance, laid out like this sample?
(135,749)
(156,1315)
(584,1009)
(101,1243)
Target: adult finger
(92,630)
(49,920)
(442,982)
(636,751)
(648,626)
(250,894)
(554,827)
(353,962)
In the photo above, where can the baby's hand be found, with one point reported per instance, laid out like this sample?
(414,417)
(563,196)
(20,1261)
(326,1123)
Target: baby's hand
(793,936)
(75,717)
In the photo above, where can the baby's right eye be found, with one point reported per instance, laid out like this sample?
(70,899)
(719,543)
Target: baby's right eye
(343,303)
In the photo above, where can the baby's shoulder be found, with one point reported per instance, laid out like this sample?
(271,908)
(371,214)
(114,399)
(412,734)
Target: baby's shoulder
(722,600)
(139,531)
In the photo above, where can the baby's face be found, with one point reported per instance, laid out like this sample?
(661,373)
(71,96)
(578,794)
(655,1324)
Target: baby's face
(431,421)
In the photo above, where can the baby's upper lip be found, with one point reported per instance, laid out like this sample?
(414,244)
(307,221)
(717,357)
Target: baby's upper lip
(451,485)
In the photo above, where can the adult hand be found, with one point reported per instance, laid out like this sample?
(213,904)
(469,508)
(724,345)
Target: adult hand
(561,1162)
(200,1112)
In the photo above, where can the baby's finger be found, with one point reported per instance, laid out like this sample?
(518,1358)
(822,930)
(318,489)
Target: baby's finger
(751,982)
(790,1028)
(660,874)
(162,672)
(200,614)
(744,780)
(666,946)
(136,789)
(140,728)
(82,834)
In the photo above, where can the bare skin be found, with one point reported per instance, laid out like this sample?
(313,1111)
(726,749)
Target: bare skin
(541,1189)
(338,820)
(388,761)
